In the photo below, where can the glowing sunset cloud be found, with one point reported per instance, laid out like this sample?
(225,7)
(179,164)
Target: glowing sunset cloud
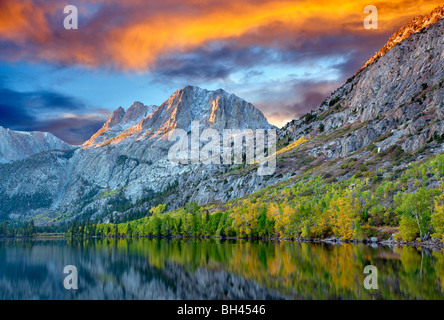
(134,37)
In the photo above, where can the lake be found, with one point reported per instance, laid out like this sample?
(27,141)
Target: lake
(215,269)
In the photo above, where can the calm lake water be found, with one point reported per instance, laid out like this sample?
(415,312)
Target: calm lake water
(213,269)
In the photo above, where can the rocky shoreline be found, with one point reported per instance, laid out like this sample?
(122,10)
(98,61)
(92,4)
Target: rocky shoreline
(429,244)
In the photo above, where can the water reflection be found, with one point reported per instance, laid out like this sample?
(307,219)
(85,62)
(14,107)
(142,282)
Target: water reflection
(211,269)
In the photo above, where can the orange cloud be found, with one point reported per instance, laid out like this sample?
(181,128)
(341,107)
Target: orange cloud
(20,21)
(149,29)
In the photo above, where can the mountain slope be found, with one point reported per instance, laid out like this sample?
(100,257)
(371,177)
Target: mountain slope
(368,163)
(399,98)
(17,145)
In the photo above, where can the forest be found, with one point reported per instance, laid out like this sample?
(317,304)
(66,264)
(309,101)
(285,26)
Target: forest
(26,229)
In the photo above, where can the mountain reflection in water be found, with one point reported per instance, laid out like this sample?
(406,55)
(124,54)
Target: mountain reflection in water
(214,269)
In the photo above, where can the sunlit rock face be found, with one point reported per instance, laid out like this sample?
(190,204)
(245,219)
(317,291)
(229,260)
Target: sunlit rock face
(216,109)
(119,121)
(417,24)
(17,145)
(213,109)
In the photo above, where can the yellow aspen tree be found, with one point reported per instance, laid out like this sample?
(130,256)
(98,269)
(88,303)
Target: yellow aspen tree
(284,222)
(438,221)
(246,217)
(274,212)
(343,217)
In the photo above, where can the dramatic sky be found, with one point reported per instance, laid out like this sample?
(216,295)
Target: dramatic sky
(283,56)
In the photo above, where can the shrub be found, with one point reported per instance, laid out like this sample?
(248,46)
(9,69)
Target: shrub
(438,138)
(394,153)
(371,147)
(121,159)
(384,136)
(438,222)
(309,118)
(334,101)
(327,175)
(408,228)
(368,174)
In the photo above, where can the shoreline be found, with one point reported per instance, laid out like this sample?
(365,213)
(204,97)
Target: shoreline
(429,244)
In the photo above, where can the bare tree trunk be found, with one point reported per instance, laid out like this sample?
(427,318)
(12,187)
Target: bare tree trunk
(419,225)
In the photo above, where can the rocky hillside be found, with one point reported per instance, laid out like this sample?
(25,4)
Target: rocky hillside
(17,145)
(398,100)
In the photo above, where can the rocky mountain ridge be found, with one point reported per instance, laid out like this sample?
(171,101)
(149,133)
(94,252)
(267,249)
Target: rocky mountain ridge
(416,25)
(119,121)
(400,97)
(17,145)
(213,109)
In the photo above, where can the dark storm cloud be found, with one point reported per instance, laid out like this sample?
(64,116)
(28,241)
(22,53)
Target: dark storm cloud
(297,99)
(216,61)
(74,129)
(39,100)
(27,111)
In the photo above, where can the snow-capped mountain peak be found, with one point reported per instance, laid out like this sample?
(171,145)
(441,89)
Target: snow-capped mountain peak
(216,109)
(17,145)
